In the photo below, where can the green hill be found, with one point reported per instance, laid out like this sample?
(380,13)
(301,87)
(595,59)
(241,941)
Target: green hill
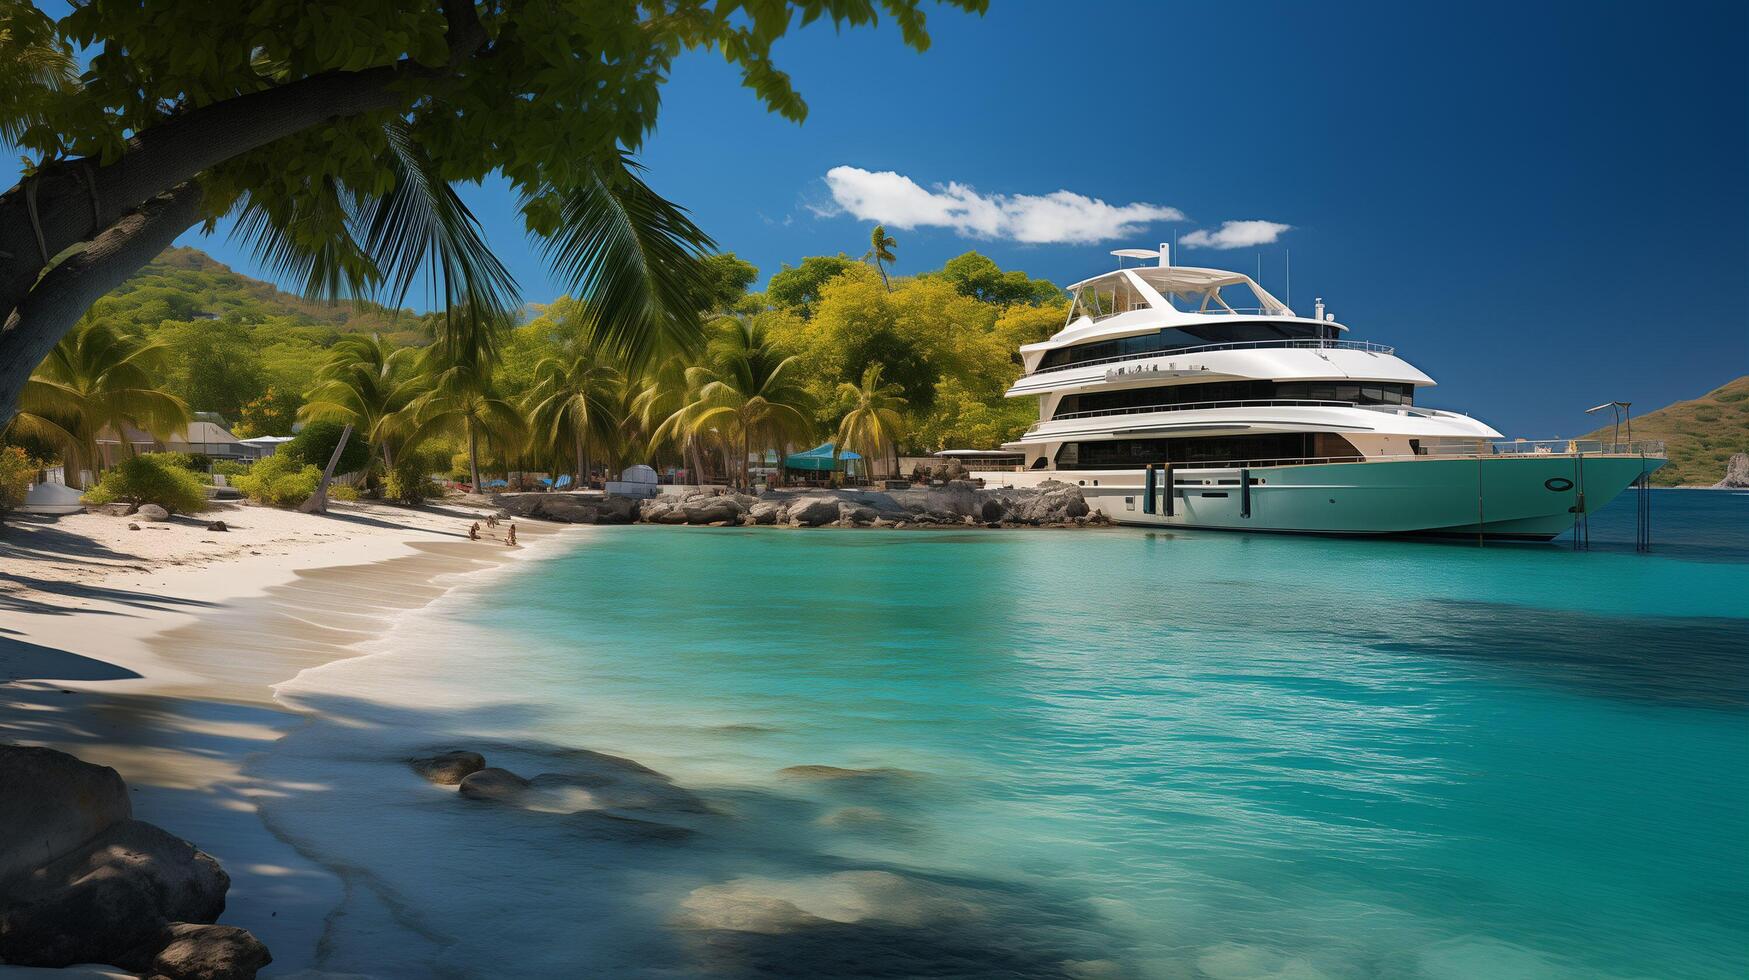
(235,340)
(186,284)
(1700,435)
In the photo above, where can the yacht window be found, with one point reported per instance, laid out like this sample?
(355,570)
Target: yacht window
(1378,393)
(1195,335)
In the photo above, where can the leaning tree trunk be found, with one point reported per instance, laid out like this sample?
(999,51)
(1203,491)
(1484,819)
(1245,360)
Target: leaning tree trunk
(318,501)
(473,456)
(588,465)
(132,207)
(580,460)
(696,459)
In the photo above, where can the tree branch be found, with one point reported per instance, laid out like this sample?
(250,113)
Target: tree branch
(68,290)
(77,199)
(466,33)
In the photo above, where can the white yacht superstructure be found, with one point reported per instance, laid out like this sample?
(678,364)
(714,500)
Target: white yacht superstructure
(1192,397)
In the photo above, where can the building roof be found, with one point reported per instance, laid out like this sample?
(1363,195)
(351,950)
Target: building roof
(205,434)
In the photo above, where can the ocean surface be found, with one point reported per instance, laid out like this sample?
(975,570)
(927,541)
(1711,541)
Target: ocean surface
(1088,754)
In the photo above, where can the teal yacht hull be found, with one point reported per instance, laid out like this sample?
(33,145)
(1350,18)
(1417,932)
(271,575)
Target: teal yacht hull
(1531,497)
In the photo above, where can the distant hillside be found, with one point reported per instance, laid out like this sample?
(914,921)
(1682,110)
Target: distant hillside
(185,284)
(1701,434)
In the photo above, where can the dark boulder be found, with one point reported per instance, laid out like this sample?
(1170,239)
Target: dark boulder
(448,768)
(195,951)
(494,784)
(107,900)
(51,803)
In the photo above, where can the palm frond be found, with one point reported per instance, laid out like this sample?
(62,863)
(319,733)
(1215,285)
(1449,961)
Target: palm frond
(422,226)
(307,241)
(636,259)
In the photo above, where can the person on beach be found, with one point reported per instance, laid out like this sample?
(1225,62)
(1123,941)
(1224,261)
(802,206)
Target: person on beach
(510,536)
(491,520)
(474,531)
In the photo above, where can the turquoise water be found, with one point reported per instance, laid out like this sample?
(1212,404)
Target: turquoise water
(1124,754)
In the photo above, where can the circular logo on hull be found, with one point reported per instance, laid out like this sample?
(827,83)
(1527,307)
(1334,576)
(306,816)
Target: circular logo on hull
(1558,484)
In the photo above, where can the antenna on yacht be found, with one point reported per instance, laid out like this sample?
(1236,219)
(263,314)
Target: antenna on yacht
(1166,253)
(1318,309)
(1290,278)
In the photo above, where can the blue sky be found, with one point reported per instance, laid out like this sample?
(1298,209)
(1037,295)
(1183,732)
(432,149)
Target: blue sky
(1543,206)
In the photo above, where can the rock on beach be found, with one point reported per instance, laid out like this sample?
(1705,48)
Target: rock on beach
(83,882)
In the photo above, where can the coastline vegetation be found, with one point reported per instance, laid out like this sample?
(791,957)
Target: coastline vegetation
(831,351)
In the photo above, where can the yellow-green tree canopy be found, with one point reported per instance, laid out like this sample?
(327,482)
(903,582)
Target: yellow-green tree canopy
(949,353)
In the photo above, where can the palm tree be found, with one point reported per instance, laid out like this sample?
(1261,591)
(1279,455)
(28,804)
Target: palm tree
(460,398)
(661,391)
(98,378)
(572,404)
(747,394)
(366,384)
(881,250)
(871,422)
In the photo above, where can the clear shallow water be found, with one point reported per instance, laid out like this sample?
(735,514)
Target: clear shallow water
(1123,753)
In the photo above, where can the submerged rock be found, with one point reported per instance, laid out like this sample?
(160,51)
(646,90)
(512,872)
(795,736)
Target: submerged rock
(493,784)
(836,774)
(597,825)
(448,768)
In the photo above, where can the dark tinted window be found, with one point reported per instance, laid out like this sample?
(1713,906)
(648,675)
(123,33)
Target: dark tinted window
(1371,393)
(1194,335)
(1120,454)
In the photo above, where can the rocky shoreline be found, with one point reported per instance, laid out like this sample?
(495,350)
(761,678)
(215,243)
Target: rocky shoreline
(957,504)
(81,881)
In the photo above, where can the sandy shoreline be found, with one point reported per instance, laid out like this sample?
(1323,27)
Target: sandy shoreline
(154,651)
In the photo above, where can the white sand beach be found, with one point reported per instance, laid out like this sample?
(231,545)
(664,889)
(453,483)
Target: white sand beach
(154,651)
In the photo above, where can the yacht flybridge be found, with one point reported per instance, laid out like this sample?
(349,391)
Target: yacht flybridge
(1192,397)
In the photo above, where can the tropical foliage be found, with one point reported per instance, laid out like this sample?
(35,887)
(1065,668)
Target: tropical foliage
(827,352)
(871,425)
(747,395)
(280,480)
(334,133)
(98,380)
(150,478)
(17,470)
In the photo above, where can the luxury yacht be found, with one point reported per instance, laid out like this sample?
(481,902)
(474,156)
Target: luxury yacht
(1190,397)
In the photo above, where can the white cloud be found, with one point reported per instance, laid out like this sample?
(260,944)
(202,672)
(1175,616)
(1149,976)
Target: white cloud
(1058,217)
(1235,234)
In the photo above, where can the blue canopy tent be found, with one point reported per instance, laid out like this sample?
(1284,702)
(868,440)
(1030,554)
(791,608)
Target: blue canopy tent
(819,460)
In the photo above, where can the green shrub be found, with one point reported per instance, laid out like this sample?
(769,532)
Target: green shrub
(150,478)
(408,482)
(17,469)
(316,443)
(338,491)
(230,467)
(195,462)
(280,480)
